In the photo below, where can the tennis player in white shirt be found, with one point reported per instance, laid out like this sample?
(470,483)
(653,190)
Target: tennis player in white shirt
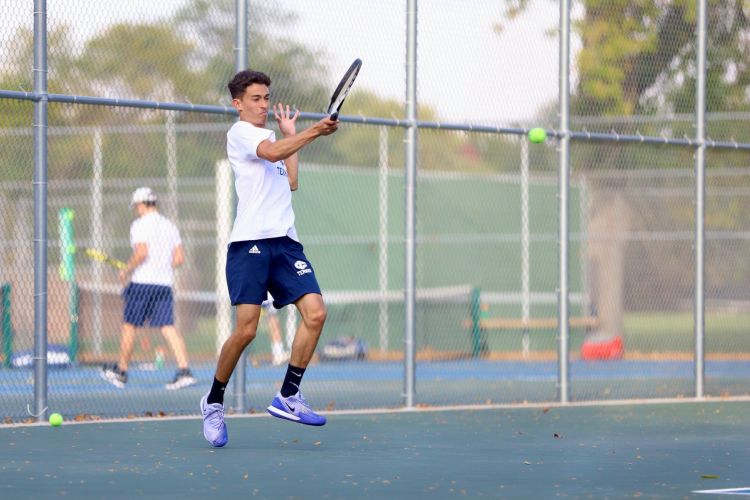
(148,296)
(265,254)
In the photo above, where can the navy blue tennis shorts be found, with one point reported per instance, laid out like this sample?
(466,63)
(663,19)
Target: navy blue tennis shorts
(275,265)
(148,302)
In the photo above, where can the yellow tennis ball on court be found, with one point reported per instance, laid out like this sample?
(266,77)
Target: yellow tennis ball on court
(537,135)
(55,420)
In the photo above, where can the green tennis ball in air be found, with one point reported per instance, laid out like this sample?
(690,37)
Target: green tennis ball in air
(55,420)
(537,135)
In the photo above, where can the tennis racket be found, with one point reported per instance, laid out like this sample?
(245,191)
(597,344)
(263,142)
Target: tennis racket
(100,256)
(337,99)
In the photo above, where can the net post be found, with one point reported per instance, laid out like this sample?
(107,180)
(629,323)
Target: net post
(67,244)
(476,326)
(75,300)
(97,238)
(7,330)
(68,273)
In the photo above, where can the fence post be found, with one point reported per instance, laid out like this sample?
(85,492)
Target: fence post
(563,387)
(41,172)
(240,63)
(699,322)
(410,204)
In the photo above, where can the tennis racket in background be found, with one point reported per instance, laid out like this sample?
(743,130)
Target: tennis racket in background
(337,99)
(100,256)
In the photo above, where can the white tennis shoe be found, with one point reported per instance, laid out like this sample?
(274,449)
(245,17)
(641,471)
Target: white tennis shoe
(296,409)
(214,428)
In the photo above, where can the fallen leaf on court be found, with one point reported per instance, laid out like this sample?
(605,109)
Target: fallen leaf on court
(85,416)
(545,410)
(317,443)
(709,476)
(331,406)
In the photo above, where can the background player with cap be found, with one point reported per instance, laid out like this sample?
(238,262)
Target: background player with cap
(149,276)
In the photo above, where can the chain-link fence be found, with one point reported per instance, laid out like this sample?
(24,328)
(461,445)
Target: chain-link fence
(137,97)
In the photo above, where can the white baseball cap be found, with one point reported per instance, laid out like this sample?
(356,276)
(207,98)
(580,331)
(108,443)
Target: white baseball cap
(142,195)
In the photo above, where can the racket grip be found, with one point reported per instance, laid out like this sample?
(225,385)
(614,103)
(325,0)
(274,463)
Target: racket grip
(334,115)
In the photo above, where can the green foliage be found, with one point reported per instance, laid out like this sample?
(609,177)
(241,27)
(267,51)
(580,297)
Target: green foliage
(189,57)
(143,71)
(638,56)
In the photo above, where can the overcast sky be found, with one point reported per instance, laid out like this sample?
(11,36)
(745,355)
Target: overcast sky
(467,71)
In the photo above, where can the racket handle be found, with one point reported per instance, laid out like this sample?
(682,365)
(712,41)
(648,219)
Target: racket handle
(334,115)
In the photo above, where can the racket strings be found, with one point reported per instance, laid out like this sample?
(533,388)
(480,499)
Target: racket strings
(336,104)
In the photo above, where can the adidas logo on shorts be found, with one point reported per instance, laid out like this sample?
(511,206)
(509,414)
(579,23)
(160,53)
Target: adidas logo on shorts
(254,249)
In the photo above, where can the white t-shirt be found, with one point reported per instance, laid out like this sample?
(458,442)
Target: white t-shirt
(264,206)
(161,238)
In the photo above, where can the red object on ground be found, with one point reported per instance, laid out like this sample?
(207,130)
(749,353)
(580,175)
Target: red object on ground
(610,349)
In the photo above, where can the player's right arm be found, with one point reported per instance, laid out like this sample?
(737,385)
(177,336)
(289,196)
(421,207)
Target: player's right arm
(140,252)
(178,256)
(287,146)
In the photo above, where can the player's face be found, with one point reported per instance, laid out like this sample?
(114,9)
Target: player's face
(254,104)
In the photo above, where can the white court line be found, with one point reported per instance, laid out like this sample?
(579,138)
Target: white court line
(728,491)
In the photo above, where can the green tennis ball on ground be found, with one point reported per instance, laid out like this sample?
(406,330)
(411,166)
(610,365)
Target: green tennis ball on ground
(55,420)
(537,135)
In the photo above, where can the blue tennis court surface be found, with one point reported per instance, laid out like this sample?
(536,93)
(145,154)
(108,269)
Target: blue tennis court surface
(351,385)
(440,370)
(598,451)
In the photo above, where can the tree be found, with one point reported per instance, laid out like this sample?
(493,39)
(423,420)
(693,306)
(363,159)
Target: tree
(638,56)
(297,73)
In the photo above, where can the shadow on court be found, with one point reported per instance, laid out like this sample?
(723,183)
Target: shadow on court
(650,450)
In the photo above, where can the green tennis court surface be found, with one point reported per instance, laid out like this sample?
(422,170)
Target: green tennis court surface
(650,451)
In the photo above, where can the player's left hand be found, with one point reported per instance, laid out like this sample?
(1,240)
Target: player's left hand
(285,118)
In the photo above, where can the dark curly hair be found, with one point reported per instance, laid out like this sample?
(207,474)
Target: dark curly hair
(244,79)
